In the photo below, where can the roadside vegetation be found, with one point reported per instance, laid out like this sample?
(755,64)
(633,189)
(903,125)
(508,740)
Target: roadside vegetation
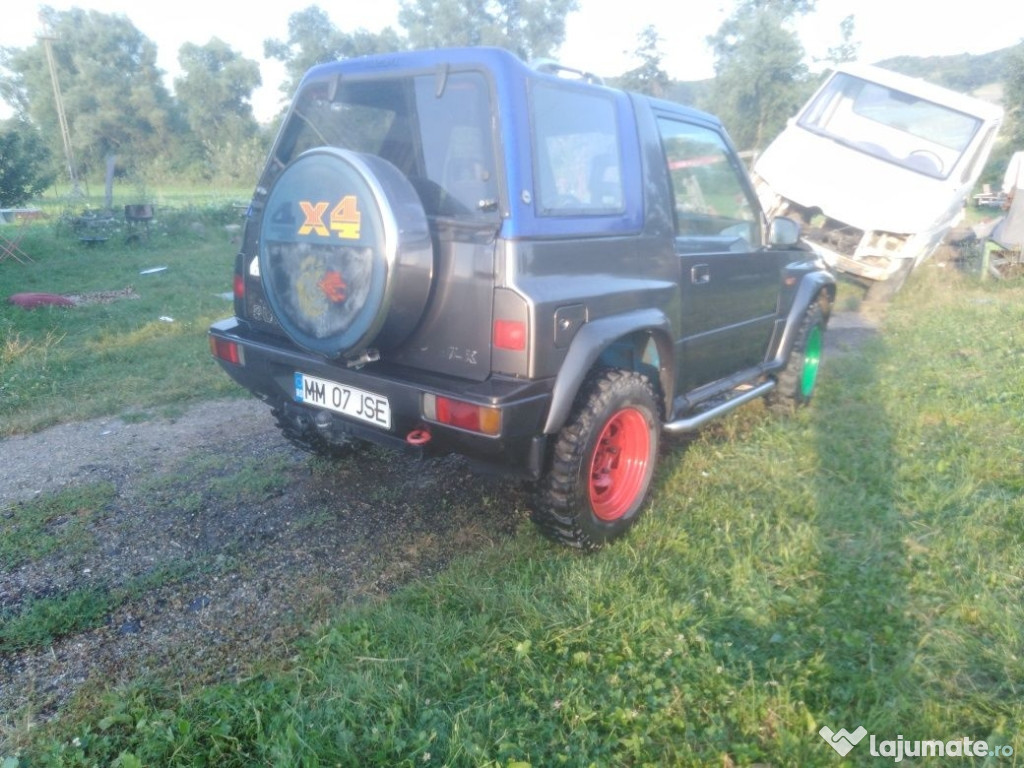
(860,564)
(138,337)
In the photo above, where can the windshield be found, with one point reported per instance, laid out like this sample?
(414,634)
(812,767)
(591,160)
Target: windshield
(897,127)
(437,132)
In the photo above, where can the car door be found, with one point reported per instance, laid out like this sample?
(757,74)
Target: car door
(729,283)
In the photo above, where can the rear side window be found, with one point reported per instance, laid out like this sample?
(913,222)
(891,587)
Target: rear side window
(439,137)
(577,161)
(713,212)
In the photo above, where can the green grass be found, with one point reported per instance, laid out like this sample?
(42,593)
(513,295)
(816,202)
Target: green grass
(36,528)
(60,364)
(240,481)
(859,564)
(41,621)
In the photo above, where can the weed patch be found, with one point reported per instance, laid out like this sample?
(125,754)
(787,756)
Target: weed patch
(34,529)
(102,358)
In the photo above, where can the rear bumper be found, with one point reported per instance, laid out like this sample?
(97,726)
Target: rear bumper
(267,368)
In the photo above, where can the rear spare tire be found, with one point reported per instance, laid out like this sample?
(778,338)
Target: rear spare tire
(345,253)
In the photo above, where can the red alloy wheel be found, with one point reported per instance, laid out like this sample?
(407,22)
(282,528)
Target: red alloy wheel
(619,464)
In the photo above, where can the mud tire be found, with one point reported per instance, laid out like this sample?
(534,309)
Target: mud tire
(797,381)
(602,462)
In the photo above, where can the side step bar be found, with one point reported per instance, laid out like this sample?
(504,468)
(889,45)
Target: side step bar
(693,423)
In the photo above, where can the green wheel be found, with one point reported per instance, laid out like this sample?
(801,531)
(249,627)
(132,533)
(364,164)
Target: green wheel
(797,381)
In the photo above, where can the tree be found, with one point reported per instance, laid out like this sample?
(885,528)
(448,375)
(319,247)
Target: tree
(649,77)
(114,98)
(1013,96)
(847,48)
(313,39)
(25,167)
(530,28)
(761,78)
(214,94)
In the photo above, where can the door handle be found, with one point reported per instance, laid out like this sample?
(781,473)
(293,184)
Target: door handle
(700,274)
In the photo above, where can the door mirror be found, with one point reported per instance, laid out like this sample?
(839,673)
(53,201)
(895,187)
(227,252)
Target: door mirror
(783,232)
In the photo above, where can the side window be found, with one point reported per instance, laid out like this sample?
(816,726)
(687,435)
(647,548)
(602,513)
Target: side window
(712,210)
(576,151)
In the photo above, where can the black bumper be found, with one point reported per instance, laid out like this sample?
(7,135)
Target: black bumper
(268,371)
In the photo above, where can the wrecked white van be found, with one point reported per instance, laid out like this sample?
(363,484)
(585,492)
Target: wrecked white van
(877,166)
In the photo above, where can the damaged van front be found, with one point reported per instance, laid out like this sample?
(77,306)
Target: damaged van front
(877,166)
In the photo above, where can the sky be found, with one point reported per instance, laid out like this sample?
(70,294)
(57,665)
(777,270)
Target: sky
(600,37)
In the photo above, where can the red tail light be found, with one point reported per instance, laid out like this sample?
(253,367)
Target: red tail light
(510,334)
(239,287)
(455,413)
(227,350)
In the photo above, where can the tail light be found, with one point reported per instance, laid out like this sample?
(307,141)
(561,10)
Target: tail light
(472,417)
(229,351)
(510,334)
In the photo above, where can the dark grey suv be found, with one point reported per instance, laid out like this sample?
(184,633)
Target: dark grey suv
(451,251)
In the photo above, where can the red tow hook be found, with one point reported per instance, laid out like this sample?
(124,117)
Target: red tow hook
(418,437)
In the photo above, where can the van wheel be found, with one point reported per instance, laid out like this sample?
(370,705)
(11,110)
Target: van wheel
(797,381)
(602,463)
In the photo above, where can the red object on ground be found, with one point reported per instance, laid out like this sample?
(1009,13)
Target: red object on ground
(33,300)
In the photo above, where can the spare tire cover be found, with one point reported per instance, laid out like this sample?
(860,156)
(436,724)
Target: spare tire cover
(345,253)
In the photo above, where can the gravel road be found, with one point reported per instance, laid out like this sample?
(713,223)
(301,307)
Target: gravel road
(241,542)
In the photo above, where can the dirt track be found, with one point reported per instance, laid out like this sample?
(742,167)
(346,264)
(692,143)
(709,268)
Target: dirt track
(234,568)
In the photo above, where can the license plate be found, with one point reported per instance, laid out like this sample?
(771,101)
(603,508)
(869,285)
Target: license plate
(341,398)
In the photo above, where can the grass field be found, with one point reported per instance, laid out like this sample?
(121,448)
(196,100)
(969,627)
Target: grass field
(146,352)
(861,564)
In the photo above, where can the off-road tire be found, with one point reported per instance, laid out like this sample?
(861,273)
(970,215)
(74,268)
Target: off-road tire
(797,381)
(602,462)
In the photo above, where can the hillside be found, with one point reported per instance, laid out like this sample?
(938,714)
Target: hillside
(981,75)
(967,73)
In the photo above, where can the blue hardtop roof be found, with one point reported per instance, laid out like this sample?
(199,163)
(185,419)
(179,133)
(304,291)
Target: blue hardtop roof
(489,57)
(511,78)
(499,61)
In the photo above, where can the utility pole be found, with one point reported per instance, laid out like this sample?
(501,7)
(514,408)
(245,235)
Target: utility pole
(65,132)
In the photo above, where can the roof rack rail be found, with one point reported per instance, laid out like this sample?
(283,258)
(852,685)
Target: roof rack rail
(553,67)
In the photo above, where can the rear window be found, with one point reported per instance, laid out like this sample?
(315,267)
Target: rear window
(577,161)
(437,133)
